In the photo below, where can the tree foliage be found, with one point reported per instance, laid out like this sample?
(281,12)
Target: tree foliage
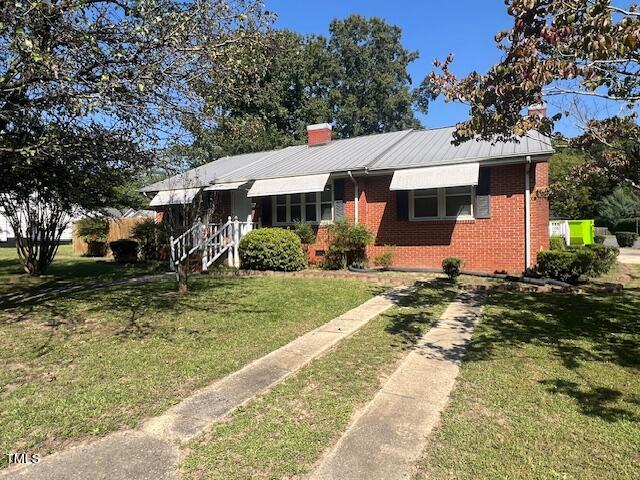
(555,47)
(356,78)
(88,87)
(621,205)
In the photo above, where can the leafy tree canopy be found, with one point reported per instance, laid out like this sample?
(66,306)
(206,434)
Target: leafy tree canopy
(356,79)
(88,87)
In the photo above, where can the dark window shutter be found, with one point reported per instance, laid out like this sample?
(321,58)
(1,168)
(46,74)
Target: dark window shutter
(402,205)
(483,194)
(338,189)
(338,197)
(266,212)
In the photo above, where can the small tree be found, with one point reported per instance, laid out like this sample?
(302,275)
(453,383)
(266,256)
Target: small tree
(622,204)
(307,235)
(347,243)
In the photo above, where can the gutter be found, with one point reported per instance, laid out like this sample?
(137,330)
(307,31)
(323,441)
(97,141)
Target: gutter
(527,214)
(355,197)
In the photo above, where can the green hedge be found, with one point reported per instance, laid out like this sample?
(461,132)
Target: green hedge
(272,249)
(626,239)
(556,242)
(572,264)
(124,251)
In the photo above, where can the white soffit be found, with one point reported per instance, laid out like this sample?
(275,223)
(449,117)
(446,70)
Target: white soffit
(436,177)
(224,186)
(174,197)
(283,186)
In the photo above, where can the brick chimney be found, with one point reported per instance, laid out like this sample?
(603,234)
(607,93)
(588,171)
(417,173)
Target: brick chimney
(319,134)
(539,109)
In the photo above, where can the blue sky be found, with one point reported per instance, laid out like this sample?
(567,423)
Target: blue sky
(434,28)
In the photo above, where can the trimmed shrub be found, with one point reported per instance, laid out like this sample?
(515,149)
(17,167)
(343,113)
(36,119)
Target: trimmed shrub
(606,258)
(124,251)
(556,242)
(564,265)
(385,259)
(599,239)
(626,239)
(272,249)
(452,266)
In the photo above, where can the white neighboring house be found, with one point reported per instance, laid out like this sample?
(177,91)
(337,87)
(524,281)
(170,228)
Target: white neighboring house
(7,237)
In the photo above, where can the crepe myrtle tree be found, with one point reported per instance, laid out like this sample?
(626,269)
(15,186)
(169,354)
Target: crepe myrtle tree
(585,49)
(87,87)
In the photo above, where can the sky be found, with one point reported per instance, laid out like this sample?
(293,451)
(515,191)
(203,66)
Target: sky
(434,28)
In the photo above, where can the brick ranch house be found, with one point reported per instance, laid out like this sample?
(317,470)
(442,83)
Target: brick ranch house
(413,189)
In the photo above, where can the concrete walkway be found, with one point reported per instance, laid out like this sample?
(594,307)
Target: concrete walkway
(629,256)
(389,436)
(152,452)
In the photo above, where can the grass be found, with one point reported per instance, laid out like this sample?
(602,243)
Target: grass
(625,274)
(100,361)
(66,268)
(282,433)
(549,390)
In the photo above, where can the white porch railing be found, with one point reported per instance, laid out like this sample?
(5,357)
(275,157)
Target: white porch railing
(560,228)
(211,241)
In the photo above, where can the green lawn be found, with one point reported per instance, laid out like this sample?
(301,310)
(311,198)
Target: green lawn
(282,433)
(99,361)
(550,390)
(66,268)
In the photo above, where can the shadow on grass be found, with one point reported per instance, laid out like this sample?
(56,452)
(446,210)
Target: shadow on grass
(577,330)
(593,401)
(414,314)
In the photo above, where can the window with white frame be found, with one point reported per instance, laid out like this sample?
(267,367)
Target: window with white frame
(441,203)
(313,207)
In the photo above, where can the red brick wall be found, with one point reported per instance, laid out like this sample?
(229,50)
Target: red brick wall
(485,245)
(539,209)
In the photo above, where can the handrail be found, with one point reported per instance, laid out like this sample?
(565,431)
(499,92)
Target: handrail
(213,244)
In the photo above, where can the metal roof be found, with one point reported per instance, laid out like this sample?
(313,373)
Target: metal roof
(424,148)
(336,156)
(211,172)
(385,151)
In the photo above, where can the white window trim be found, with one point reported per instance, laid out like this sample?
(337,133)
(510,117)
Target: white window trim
(442,207)
(318,221)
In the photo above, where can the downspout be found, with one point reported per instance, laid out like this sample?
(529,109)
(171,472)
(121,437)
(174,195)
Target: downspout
(527,213)
(355,197)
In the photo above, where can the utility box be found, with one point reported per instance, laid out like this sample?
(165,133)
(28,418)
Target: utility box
(582,232)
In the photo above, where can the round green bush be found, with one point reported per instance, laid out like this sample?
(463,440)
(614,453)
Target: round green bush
(452,266)
(626,239)
(272,249)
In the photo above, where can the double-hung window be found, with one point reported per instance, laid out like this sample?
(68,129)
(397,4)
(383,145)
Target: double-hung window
(441,203)
(312,207)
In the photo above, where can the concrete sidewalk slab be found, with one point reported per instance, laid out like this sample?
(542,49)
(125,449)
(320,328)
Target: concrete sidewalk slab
(629,256)
(152,452)
(386,440)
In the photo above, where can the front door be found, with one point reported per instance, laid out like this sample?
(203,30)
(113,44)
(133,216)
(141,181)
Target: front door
(240,205)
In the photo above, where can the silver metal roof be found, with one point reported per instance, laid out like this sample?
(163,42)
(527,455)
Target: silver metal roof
(423,148)
(213,171)
(337,156)
(386,151)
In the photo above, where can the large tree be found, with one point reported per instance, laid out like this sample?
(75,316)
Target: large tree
(580,48)
(88,87)
(357,78)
